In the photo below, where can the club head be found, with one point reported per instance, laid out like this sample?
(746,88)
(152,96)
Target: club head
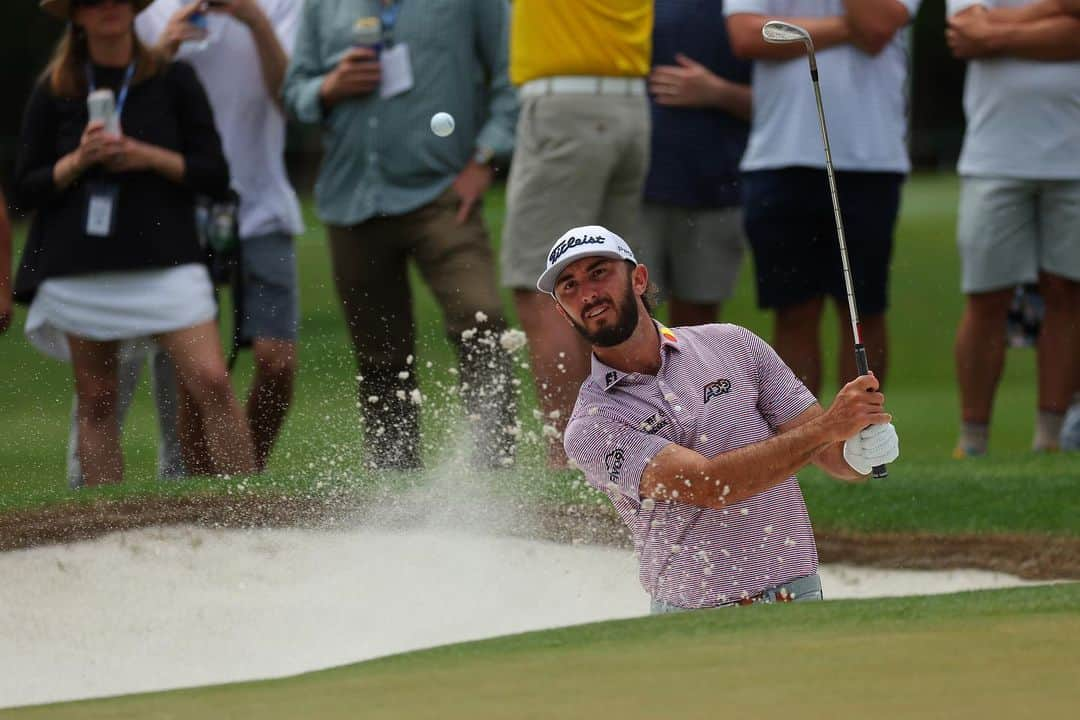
(780,32)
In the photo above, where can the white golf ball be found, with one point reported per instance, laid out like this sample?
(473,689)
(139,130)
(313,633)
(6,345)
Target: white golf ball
(442,124)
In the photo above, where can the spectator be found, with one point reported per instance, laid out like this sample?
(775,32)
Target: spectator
(692,237)
(389,191)
(862,52)
(581,158)
(1020,193)
(5,266)
(241,62)
(112,253)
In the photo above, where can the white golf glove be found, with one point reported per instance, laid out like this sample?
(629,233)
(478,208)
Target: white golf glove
(876,445)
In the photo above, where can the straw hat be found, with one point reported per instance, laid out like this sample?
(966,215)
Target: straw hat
(62,8)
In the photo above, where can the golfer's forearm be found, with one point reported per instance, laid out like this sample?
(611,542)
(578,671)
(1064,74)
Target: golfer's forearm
(679,474)
(744,31)
(1051,39)
(831,460)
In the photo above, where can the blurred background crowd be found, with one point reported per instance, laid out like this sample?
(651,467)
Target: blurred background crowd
(160,149)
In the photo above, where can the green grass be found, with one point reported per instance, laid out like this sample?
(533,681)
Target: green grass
(1012,491)
(969,655)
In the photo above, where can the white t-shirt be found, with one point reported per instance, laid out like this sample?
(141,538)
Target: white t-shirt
(251,125)
(865,99)
(1023,116)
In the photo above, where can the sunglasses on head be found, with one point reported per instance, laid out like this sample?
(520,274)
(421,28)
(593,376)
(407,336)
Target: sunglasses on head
(96,3)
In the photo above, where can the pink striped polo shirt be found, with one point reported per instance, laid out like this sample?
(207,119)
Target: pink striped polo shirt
(719,388)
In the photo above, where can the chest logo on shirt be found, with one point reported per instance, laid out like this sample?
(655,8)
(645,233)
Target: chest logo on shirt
(716,389)
(654,424)
(613,461)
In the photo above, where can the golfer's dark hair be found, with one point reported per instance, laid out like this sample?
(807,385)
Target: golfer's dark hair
(651,297)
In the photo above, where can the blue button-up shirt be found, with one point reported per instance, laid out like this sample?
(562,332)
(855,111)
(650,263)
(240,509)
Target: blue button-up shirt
(381,157)
(695,151)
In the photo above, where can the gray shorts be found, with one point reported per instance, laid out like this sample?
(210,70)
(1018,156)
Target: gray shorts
(692,255)
(1010,229)
(271,295)
(579,160)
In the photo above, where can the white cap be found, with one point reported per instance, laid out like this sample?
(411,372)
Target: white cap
(579,242)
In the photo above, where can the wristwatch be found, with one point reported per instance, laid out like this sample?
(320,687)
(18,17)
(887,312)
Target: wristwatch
(483,156)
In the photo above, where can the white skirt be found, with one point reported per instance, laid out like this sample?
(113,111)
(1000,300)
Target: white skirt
(130,305)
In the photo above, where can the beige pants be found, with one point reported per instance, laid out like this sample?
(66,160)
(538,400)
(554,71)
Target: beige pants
(370,266)
(579,160)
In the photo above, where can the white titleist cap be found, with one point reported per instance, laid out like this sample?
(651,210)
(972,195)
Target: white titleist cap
(579,242)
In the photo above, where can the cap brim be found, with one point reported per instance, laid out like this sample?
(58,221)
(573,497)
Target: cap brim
(547,280)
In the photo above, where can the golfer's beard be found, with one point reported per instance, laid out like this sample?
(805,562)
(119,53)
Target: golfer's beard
(626,319)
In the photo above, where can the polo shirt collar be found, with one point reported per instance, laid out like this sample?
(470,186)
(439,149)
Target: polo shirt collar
(608,377)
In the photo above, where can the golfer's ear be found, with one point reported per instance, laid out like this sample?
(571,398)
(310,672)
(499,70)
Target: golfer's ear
(639,276)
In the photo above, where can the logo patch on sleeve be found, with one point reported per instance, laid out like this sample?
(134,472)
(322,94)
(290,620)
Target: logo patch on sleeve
(716,389)
(613,461)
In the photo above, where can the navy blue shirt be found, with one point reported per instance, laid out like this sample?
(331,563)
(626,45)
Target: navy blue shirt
(695,151)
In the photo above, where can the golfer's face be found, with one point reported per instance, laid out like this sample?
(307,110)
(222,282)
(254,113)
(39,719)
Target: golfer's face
(592,291)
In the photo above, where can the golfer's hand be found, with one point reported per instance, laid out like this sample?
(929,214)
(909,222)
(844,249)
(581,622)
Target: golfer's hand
(688,84)
(857,406)
(876,445)
(470,186)
(359,73)
(179,29)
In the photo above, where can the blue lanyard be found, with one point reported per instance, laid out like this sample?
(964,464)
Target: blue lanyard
(388,16)
(121,97)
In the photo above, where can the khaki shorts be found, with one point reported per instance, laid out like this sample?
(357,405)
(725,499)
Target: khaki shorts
(1009,229)
(692,255)
(579,160)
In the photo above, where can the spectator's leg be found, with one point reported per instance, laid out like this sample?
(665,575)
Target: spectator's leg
(996,233)
(567,148)
(1059,285)
(370,273)
(271,320)
(1059,342)
(797,339)
(458,264)
(166,397)
(706,251)
(980,353)
(271,393)
(870,204)
(95,365)
(130,368)
(200,365)
(191,435)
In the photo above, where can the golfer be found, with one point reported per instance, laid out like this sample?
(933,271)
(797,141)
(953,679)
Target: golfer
(696,433)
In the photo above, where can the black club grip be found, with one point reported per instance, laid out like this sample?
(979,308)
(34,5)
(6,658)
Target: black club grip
(879,471)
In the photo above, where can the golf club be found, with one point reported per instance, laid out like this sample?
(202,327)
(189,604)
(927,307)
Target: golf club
(782,33)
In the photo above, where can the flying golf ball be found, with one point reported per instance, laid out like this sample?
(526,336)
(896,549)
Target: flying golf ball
(442,124)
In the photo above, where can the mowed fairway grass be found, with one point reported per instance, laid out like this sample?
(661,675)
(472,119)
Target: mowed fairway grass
(321,446)
(1010,653)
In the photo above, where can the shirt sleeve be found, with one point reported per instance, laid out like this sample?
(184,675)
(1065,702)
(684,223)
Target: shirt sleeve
(493,40)
(36,155)
(205,168)
(754,7)
(611,453)
(285,17)
(305,75)
(781,395)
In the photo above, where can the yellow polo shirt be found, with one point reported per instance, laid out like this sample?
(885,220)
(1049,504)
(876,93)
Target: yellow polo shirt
(580,37)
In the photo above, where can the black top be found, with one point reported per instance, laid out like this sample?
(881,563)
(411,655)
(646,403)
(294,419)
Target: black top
(155,218)
(695,151)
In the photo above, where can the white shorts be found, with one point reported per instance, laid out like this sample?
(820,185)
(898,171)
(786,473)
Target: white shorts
(1009,229)
(118,306)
